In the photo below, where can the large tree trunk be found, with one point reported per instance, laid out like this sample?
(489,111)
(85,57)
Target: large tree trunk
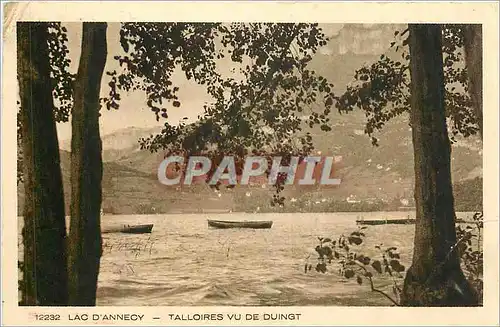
(86,169)
(473,45)
(44,233)
(435,277)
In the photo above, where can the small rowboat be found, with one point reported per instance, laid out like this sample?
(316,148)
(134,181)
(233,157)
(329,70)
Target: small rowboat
(374,222)
(256,224)
(404,221)
(137,229)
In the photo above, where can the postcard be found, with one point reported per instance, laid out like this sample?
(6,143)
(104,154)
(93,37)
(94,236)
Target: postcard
(250,163)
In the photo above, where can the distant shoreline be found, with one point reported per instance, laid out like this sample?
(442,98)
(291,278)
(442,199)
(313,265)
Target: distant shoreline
(222,212)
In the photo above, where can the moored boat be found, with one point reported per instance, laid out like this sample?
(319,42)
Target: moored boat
(374,222)
(403,221)
(137,229)
(256,224)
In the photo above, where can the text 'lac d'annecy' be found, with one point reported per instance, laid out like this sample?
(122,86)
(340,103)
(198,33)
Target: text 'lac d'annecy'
(306,171)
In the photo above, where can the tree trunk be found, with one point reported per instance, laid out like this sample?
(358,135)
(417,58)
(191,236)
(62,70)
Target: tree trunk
(435,277)
(44,233)
(473,45)
(86,169)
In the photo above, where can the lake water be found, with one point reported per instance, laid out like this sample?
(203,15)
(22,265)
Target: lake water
(183,262)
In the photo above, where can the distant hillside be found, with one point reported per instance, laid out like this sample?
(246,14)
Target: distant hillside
(120,183)
(380,177)
(119,143)
(369,174)
(469,195)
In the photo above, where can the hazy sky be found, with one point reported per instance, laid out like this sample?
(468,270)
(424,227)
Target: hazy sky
(358,39)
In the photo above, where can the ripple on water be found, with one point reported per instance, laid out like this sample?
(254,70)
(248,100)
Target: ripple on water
(186,263)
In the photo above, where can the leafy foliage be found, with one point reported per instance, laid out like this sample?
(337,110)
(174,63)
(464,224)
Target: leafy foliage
(62,79)
(346,255)
(153,51)
(470,250)
(267,99)
(352,264)
(382,89)
(258,107)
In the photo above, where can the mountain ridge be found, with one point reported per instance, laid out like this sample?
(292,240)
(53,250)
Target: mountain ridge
(369,174)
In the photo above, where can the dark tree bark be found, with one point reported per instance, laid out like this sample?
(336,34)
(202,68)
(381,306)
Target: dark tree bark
(85,243)
(473,45)
(435,277)
(44,233)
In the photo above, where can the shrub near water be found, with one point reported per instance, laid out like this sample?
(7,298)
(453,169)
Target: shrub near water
(354,265)
(345,254)
(470,248)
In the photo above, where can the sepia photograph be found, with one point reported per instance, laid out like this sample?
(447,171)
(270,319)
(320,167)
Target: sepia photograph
(248,163)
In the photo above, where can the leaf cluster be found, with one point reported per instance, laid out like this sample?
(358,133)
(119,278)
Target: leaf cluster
(382,89)
(62,79)
(470,249)
(261,106)
(345,254)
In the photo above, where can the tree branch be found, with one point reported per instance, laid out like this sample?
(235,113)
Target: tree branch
(272,71)
(372,286)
